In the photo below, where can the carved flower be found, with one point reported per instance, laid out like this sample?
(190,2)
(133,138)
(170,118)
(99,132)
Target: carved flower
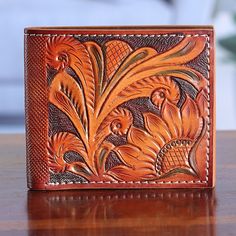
(122,121)
(168,90)
(60,50)
(164,148)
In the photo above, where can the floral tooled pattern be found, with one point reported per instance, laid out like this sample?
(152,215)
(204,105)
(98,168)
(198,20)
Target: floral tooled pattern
(164,146)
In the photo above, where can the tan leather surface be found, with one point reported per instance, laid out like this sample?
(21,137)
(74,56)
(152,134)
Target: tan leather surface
(120,108)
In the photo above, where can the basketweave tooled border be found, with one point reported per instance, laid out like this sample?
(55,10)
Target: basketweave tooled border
(90,37)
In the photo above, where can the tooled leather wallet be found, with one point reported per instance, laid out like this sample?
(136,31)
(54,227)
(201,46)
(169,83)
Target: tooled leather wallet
(120,107)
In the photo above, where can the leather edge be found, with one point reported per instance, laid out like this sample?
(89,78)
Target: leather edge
(212,168)
(36,113)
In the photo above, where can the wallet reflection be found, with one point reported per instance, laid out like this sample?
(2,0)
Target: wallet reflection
(117,212)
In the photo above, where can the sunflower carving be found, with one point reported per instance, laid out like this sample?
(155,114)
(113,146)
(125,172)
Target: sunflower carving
(118,137)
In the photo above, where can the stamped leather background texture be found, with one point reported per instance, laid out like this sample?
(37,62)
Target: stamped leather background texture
(120,110)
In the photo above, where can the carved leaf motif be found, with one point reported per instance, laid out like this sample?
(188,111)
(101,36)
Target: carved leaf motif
(97,59)
(157,127)
(126,173)
(172,116)
(101,156)
(136,58)
(66,94)
(133,157)
(188,49)
(61,143)
(191,120)
(81,63)
(201,100)
(144,141)
(115,52)
(63,52)
(159,87)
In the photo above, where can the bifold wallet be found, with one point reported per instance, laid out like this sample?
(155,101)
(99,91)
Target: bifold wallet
(120,107)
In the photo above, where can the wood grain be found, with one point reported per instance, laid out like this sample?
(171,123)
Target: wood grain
(116,212)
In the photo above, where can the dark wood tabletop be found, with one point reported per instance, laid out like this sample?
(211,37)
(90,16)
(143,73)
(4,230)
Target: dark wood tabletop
(116,212)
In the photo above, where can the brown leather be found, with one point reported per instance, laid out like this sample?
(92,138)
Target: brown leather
(121,107)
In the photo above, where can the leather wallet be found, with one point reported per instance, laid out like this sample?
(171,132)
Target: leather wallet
(120,107)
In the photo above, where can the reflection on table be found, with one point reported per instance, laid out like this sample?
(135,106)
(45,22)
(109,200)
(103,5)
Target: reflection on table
(115,212)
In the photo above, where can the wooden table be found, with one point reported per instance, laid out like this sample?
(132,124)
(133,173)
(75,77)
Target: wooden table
(116,212)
